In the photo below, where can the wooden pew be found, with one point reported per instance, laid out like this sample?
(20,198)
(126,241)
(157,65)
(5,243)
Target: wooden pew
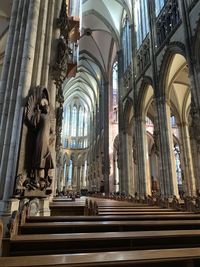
(67,208)
(1,235)
(98,231)
(106,226)
(44,244)
(184,257)
(176,216)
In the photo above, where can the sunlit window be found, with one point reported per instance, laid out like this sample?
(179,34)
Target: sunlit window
(70,172)
(126,43)
(178,164)
(74,120)
(68,120)
(74,8)
(159,5)
(85,124)
(81,121)
(75,125)
(115,91)
(142,24)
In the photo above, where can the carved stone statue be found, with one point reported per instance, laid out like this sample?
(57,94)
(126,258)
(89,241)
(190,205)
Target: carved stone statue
(195,125)
(38,117)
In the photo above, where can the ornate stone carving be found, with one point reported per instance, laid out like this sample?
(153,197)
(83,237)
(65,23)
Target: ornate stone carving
(156,141)
(63,21)
(134,150)
(59,70)
(39,139)
(167,20)
(59,118)
(195,124)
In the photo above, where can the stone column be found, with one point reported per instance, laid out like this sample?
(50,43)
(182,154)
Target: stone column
(189,179)
(106,138)
(190,56)
(74,179)
(39,53)
(126,173)
(10,46)
(122,161)
(53,6)
(167,174)
(141,187)
(19,93)
(83,181)
(146,160)
(81,176)
(67,176)
(10,85)
(78,178)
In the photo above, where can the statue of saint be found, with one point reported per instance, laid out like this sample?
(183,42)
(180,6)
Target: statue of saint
(38,115)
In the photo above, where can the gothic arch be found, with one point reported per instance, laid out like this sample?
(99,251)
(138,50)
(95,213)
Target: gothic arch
(173,49)
(146,82)
(127,112)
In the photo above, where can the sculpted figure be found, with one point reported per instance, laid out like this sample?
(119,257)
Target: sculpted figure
(38,115)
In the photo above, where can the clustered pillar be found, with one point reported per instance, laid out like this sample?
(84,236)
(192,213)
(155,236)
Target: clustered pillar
(26,65)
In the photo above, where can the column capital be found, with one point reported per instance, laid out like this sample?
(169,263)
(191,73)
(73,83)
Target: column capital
(162,100)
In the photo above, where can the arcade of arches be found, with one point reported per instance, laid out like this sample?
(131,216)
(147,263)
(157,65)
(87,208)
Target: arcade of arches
(101,96)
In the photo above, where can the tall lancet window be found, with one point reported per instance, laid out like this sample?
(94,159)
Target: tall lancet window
(74,8)
(67,123)
(81,121)
(74,120)
(159,5)
(142,23)
(115,91)
(126,43)
(85,123)
(70,172)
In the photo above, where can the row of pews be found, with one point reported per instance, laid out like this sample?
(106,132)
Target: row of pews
(107,233)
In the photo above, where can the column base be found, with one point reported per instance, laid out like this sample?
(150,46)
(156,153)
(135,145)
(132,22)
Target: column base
(8,206)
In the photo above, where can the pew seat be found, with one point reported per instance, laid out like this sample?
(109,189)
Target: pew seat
(174,216)
(95,242)
(106,226)
(181,257)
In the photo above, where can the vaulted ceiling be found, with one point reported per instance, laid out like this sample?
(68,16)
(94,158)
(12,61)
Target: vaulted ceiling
(98,46)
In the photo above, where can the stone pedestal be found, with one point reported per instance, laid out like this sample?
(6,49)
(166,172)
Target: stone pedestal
(44,207)
(8,206)
(39,207)
(6,209)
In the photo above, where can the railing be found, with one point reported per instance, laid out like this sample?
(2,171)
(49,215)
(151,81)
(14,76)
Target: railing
(143,56)
(127,77)
(167,20)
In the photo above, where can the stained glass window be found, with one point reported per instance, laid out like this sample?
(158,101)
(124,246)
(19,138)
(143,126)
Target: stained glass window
(126,43)
(81,121)
(115,91)
(74,120)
